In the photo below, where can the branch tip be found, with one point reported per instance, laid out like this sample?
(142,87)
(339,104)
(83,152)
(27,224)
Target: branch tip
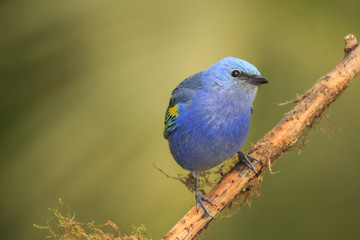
(350,43)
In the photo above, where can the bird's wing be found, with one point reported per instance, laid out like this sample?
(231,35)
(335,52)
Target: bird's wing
(180,100)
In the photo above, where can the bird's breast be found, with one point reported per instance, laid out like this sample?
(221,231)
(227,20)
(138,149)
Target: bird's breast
(227,113)
(210,131)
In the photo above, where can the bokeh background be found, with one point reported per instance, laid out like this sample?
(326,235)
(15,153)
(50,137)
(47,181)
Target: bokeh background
(83,90)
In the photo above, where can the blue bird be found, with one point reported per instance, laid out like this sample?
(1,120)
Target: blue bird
(209,116)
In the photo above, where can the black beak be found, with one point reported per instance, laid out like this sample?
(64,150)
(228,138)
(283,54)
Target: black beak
(257,80)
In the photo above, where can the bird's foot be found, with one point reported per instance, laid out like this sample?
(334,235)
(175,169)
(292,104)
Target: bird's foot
(245,158)
(199,201)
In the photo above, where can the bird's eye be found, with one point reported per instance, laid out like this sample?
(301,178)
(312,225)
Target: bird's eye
(235,73)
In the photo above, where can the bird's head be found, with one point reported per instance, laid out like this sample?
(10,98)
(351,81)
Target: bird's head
(233,72)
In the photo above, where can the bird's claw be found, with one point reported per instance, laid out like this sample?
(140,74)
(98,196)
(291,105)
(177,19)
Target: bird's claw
(199,201)
(245,158)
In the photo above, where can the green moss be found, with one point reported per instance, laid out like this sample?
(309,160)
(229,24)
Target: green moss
(207,180)
(62,227)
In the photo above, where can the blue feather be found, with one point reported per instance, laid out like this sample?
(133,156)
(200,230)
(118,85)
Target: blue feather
(182,96)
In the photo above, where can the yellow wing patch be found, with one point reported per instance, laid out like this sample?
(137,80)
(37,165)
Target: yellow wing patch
(173,111)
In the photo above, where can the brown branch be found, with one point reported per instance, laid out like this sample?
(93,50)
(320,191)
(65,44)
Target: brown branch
(275,143)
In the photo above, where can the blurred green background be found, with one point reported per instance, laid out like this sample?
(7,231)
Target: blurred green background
(84,86)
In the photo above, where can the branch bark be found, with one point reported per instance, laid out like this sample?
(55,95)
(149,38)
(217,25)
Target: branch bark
(275,143)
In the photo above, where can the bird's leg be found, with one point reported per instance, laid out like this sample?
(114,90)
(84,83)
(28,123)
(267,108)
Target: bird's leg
(199,197)
(245,158)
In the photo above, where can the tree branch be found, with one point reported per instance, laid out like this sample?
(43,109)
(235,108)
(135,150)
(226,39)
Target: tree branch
(275,143)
